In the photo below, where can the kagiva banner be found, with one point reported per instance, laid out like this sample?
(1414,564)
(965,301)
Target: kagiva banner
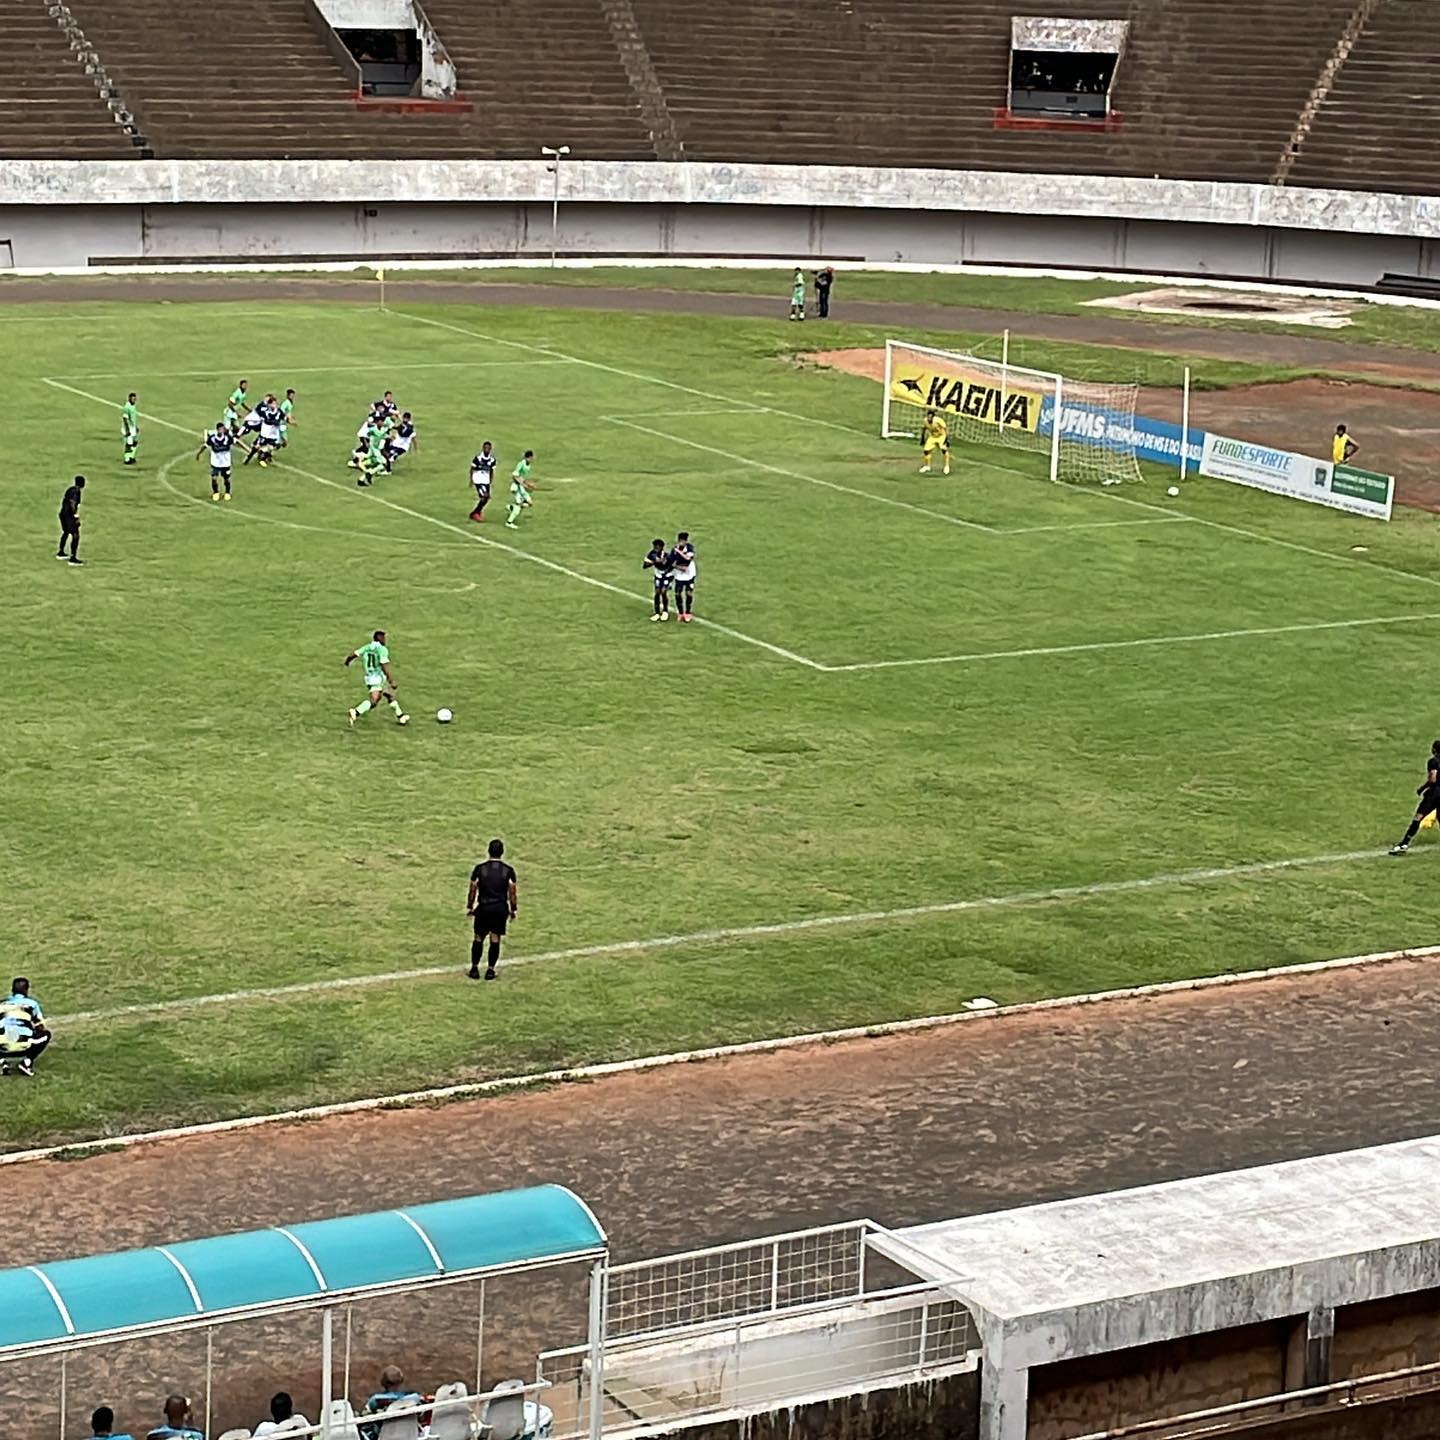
(1301,477)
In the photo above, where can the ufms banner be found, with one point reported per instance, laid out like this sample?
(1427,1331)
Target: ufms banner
(1153,439)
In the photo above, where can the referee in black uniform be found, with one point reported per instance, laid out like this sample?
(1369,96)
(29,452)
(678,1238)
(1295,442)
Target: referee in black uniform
(493,903)
(70,521)
(1429,794)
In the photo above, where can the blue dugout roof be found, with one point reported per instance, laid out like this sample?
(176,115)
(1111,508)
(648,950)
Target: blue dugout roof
(73,1302)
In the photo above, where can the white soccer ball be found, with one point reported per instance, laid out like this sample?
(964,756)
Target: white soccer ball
(1173,490)
(444,716)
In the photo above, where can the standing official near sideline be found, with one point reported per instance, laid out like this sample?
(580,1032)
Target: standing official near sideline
(493,902)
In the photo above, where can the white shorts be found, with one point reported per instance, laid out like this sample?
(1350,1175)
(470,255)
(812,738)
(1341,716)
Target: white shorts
(252,422)
(376,682)
(270,433)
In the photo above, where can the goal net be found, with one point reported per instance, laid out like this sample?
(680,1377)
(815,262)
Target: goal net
(1082,430)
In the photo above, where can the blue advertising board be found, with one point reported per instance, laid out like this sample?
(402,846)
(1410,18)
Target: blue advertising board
(1157,440)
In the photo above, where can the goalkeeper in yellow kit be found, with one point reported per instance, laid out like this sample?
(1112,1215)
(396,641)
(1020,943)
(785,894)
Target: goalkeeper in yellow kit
(935,436)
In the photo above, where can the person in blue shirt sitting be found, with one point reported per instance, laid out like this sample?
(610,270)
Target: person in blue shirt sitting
(177,1424)
(23,1032)
(102,1423)
(392,1389)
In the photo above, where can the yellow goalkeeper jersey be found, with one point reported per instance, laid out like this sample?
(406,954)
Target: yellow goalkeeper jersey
(937,431)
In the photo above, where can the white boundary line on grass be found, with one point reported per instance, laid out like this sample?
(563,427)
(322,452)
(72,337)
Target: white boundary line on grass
(379,365)
(470,535)
(795,657)
(1095,645)
(1105,494)
(582,1073)
(736,932)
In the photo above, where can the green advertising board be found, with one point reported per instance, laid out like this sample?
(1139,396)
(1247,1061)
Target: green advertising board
(1362,484)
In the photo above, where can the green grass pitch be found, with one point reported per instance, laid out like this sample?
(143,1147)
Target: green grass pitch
(186,813)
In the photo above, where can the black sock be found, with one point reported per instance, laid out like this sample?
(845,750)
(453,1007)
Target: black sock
(1411,833)
(494,955)
(477,949)
(227,487)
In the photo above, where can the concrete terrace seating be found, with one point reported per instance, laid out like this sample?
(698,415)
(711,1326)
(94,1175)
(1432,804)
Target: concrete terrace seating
(541,72)
(267,86)
(1377,127)
(1209,90)
(48,104)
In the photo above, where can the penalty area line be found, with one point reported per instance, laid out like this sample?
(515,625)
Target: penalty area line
(479,1089)
(1151,640)
(513,550)
(726,934)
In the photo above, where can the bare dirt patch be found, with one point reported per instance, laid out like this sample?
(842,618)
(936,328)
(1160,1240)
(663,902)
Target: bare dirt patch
(1398,430)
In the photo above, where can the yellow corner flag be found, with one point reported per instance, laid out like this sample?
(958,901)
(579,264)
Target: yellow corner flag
(380,274)
(1428,823)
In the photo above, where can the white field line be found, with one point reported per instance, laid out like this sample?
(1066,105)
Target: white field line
(1105,494)
(735,409)
(725,934)
(231,510)
(473,537)
(584,1073)
(1096,525)
(797,475)
(379,365)
(1095,645)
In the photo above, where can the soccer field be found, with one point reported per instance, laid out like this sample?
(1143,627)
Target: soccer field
(955,697)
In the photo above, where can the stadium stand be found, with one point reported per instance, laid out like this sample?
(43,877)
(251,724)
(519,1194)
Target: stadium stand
(1205,91)
(1208,91)
(202,90)
(1375,129)
(49,105)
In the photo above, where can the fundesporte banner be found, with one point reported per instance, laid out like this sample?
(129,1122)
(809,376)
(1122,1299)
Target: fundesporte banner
(1301,477)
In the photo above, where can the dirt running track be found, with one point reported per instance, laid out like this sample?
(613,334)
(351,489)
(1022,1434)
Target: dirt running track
(1399,430)
(988,1114)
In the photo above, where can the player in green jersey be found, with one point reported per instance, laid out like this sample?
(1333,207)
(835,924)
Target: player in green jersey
(372,460)
(130,428)
(520,487)
(287,413)
(374,657)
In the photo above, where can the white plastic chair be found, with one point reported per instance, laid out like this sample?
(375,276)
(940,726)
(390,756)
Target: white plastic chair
(403,1427)
(450,1417)
(241,1434)
(342,1421)
(504,1417)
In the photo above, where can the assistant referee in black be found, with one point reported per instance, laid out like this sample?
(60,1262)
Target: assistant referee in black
(493,902)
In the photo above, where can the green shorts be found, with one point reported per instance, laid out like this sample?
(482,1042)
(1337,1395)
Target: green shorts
(376,682)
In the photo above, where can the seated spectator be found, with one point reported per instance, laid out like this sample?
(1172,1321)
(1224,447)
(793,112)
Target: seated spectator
(23,1032)
(282,1417)
(102,1425)
(392,1389)
(177,1424)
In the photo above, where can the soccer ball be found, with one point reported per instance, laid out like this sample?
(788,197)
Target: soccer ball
(444,716)
(1173,490)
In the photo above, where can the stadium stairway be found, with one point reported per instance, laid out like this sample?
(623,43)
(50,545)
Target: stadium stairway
(49,106)
(1376,127)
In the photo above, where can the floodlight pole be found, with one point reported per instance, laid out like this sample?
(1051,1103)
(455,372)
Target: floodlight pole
(555,156)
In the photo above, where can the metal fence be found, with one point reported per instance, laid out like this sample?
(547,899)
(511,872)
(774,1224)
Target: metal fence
(804,1267)
(775,1356)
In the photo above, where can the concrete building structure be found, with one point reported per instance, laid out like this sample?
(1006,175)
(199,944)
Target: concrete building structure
(88,212)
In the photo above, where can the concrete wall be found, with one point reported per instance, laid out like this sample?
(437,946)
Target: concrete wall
(1392,1334)
(88,234)
(945,1409)
(1078,1397)
(368,14)
(72,212)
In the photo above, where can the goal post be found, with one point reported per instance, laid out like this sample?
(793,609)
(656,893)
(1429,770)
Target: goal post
(1083,431)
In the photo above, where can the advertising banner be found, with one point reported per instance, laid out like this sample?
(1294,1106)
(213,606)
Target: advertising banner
(957,389)
(1156,440)
(1301,477)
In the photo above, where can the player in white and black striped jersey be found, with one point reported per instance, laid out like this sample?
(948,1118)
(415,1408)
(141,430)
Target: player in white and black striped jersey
(482,477)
